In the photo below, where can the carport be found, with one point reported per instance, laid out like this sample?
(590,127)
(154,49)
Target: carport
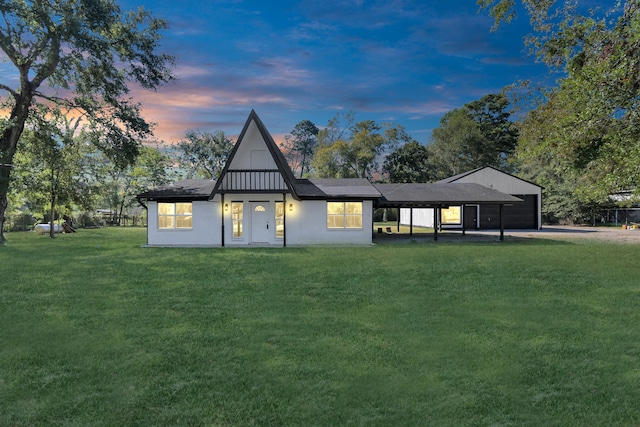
(440,196)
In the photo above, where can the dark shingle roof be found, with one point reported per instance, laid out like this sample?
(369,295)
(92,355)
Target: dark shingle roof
(191,189)
(325,188)
(439,194)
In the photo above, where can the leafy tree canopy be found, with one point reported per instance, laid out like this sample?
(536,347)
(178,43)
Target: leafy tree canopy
(353,149)
(409,163)
(203,154)
(80,55)
(590,120)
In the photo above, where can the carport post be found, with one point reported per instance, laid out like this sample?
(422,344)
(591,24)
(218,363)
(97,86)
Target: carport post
(436,221)
(501,222)
(410,221)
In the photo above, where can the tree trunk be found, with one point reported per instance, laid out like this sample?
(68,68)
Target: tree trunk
(3,207)
(52,231)
(8,147)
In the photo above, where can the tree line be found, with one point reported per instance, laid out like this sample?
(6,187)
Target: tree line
(70,133)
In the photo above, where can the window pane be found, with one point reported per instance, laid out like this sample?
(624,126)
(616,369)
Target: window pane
(165,221)
(354,208)
(335,208)
(237,229)
(279,220)
(451,215)
(236,210)
(183,208)
(236,215)
(166,208)
(184,221)
(335,221)
(354,221)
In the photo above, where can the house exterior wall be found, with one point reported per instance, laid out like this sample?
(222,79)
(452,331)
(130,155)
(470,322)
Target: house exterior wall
(205,231)
(307,225)
(253,153)
(251,218)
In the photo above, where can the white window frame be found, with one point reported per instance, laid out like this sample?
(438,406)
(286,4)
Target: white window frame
(237,223)
(174,216)
(345,216)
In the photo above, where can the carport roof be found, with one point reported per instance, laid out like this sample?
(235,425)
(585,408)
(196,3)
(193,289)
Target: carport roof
(440,194)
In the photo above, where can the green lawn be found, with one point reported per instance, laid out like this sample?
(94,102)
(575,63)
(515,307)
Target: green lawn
(96,330)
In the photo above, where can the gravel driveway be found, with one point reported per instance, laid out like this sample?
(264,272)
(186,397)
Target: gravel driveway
(564,232)
(555,232)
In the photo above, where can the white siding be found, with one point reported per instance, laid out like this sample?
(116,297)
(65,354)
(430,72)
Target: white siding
(501,181)
(307,225)
(422,217)
(205,231)
(253,142)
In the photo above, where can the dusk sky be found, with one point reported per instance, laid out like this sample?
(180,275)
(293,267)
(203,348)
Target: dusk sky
(404,62)
(401,61)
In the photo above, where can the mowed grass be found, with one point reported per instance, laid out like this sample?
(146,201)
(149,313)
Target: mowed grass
(96,330)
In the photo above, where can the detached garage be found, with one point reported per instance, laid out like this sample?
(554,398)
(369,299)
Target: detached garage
(526,215)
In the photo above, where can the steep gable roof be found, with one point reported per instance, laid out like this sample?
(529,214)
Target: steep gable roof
(276,154)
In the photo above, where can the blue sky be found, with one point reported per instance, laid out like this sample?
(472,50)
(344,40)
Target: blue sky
(401,61)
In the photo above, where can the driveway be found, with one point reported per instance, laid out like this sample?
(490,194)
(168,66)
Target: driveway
(555,232)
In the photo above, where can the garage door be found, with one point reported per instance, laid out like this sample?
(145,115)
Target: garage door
(519,215)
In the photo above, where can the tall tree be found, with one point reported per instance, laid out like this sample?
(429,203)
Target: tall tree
(409,163)
(456,145)
(354,154)
(204,154)
(478,134)
(595,125)
(49,165)
(85,53)
(500,133)
(304,137)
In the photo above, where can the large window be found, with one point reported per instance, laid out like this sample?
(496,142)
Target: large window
(344,214)
(237,216)
(175,215)
(451,215)
(279,220)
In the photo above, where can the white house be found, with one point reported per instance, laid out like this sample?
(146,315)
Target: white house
(258,202)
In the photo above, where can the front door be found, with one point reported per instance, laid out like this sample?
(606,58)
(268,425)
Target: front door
(260,227)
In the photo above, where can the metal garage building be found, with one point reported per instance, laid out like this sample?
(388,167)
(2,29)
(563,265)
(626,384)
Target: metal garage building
(526,215)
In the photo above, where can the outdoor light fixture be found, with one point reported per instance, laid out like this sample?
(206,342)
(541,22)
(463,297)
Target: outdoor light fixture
(290,207)
(226,207)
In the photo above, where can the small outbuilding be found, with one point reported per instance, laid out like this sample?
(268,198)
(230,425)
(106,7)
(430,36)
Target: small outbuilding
(525,215)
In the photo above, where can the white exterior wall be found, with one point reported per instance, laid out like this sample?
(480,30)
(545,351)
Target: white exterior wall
(500,181)
(205,231)
(307,225)
(422,217)
(249,201)
(253,142)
